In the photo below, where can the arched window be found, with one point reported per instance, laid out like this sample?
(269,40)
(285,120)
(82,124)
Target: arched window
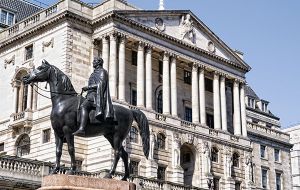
(214,154)
(23,94)
(161,141)
(236,160)
(133,135)
(159,102)
(23,145)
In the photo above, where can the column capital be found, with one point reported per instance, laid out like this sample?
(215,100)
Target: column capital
(149,49)
(202,67)
(96,42)
(195,67)
(113,36)
(166,55)
(123,38)
(174,58)
(105,38)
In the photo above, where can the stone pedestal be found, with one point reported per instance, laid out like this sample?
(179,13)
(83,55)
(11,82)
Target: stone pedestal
(229,184)
(151,169)
(178,175)
(71,182)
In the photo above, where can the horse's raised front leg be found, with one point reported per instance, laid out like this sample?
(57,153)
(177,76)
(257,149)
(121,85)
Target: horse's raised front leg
(59,144)
(71,149)
(116,145)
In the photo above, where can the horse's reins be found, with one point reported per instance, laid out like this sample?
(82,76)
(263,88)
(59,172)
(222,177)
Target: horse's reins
(74,93)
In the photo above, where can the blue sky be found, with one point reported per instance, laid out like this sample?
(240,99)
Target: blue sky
(268,32)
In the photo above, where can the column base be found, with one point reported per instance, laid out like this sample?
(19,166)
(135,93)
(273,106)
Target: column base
(151,169)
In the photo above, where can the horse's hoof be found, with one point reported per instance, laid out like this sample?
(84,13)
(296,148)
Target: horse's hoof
(108,176)
(70,172)
(54,171)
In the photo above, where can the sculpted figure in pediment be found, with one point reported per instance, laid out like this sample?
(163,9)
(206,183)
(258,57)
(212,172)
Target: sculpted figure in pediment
(187,28)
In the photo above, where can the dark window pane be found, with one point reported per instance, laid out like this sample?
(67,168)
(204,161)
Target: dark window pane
(262,151)
(1,147)
(214,154)
(28,52)
(133,135)
(187,77)
(236,159)
(23,146)
(216,184)
(46,135)
(133,97)
(278,181)
(161,173)
(264,178)
(237,185)
(25,97)
(160,71)
(210,121)
(10,19)
(208,85)
(134,58)
(3,17)
(276,155)
(188,114)
(134,168)
(159,102)
(161,141)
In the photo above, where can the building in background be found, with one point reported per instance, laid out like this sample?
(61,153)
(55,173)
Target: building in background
(295,154)
(208,128)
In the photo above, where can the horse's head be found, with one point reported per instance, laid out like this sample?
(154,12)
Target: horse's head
(39,74)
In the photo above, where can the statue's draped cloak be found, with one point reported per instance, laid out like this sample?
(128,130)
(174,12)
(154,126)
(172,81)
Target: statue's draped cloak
(99,94)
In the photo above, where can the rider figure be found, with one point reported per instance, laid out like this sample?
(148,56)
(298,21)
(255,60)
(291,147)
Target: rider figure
(97,97)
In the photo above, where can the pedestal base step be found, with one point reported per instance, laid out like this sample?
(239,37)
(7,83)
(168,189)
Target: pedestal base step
(72,182)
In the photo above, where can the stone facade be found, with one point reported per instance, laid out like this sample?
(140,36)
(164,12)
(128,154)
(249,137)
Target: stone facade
(168,64)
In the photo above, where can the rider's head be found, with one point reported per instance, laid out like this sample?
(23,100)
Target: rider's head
(98,61)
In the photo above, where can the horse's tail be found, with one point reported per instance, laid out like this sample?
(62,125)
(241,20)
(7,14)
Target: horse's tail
(143,124)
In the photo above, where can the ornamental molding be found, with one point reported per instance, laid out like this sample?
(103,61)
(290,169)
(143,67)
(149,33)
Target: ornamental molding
(48,44)
(9,61)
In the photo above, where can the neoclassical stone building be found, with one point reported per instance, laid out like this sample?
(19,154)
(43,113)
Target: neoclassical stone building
(206,131)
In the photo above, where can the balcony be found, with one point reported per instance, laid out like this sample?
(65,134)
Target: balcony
(21,119)
(267,132)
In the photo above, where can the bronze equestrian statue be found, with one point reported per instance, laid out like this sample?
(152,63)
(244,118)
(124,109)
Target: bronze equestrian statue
(64,115)
(98,93)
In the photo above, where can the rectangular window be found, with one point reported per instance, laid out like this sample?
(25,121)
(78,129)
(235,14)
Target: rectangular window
(210,121)
(161,173)
(160,71)
(216,183)
(188,114)
(262,151)
(208,85)
(134,58)
(278,181)
(264,178)
(1,147)
(237,185)
(277,155)
(134,168)
(133,97)
(28,52)
(10,19)
(3,17)
(187,77)
(46,135)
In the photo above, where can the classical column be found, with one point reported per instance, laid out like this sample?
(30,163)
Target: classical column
(173,87)
(243,111)
(149,78)
(15,97)
(166,84)
(122,62)
(29,98)
(236,108)
(105,52)
(202,96)
(195,94)
(217,113)
(113,66)
(140,75)
(223,103)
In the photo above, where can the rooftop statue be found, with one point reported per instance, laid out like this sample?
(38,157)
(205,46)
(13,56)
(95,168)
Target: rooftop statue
(98,115)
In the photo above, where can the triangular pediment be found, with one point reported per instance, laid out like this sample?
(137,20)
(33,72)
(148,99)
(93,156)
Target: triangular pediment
(185,27)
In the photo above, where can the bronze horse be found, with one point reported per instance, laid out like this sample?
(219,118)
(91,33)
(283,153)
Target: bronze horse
(65,122)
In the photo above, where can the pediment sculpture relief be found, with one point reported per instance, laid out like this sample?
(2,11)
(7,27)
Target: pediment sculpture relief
(187,29)
(160,25)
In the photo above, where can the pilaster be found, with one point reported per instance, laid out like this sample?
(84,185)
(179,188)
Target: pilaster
(141,75)
(195,94)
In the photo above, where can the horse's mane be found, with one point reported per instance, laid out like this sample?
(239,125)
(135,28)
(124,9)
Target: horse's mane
(64,78)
